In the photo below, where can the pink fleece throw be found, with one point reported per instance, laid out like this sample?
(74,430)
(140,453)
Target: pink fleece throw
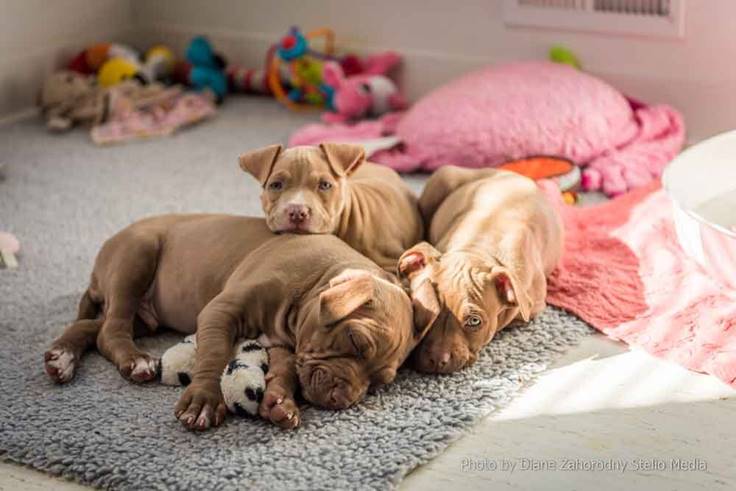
(623,272)
(518,110)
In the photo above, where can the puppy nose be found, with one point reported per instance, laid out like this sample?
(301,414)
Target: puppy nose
(441,360)
(297,213)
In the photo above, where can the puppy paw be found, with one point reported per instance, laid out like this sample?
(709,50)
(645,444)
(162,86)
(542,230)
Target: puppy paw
(60,364)
(201,406)
(139,368)
(279,407)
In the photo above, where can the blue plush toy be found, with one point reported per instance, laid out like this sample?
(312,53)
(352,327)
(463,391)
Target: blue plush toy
(204,69)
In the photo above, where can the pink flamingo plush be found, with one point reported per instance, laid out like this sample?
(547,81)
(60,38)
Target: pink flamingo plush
(368,94)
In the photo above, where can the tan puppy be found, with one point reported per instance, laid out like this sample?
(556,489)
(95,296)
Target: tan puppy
(497,238)
(334,321)
(331,189)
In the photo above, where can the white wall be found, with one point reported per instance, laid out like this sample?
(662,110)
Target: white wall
(443,38)
(37,36)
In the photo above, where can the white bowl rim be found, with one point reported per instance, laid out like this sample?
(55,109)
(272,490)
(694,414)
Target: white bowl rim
(692,213)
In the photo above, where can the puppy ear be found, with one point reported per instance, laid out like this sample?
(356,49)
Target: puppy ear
(259,163)
(346,294)
(344,159)
(426,307)
(511,291)
(414,260)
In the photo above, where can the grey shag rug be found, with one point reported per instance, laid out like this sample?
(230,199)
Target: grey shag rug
(62,197)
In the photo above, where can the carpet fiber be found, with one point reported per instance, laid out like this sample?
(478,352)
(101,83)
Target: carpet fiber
(62,197)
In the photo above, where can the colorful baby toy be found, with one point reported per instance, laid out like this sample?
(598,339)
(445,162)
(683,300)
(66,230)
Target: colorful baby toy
(305,84)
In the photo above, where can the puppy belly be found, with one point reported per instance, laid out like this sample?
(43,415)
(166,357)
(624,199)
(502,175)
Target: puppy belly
(171,309)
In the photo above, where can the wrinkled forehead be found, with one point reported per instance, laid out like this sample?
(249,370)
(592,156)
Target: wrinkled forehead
(459,281)
(392,320)
(302,160)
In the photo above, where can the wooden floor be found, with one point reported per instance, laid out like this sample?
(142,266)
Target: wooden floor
(601,407)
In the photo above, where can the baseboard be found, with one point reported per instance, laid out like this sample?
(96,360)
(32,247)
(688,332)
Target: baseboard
(17,116)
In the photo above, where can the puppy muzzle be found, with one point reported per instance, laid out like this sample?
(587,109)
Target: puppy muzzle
(323,389)
(442,360)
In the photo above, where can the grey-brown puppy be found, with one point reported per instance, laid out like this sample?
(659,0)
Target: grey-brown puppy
(334,321)
(496,239)
(331,189)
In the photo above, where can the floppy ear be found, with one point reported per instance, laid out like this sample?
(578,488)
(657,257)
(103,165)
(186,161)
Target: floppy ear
(512,291)
(346,294)
(426,307)
(414,260)
(333,74)
(259,163)
(343,158)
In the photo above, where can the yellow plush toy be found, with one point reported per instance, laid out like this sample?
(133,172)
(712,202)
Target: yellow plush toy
(115,70)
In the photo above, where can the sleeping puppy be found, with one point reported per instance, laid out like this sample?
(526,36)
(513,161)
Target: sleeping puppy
(331,189)
(334,322)
(496,239)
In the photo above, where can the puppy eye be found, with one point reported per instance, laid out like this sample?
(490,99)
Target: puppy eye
(473,322)
(366,88)
(276,186)
(356,346)
(325,185)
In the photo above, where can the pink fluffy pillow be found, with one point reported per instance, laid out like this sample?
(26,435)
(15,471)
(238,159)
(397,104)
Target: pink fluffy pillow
(521,110)
(517,110)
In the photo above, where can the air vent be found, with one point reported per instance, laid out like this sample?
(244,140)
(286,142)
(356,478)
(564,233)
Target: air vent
(655,18)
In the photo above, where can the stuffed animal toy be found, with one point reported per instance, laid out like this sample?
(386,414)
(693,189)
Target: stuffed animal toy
(369,94)
(69,98)
(204,69)
(177,363)
(115,70)
(243,381)
(157,66)
(90,60)
(159,63)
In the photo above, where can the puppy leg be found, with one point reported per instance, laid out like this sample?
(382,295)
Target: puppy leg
(131,278)
(279,405)
(62,358)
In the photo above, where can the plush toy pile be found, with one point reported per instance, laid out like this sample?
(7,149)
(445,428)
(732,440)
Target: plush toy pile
(243,382)
(122,95)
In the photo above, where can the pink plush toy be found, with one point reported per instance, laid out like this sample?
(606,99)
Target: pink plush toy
(369,94)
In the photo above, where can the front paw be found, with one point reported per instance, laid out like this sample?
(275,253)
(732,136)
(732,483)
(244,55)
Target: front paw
(201,406)
(279,407)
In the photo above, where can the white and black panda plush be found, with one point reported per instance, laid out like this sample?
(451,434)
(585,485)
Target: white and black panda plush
(243,381)
(177,362)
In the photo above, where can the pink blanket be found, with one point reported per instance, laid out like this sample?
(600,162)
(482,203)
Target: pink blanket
(624,272)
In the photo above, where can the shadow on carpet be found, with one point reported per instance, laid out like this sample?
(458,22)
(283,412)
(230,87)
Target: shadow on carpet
(104,431)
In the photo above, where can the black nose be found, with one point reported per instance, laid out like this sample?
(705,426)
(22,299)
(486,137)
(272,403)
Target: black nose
(297,213)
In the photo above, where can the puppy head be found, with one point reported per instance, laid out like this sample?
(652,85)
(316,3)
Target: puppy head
(358,333)
(304,188)
(475,298)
